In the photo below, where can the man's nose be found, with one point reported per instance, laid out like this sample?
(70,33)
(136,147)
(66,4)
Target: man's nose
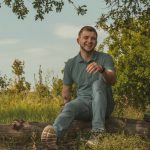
(89,40)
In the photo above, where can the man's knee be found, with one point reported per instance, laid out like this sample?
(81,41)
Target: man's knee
(71,106)
(98,84)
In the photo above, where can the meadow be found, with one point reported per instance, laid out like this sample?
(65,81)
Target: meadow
(43,104)
(30,107)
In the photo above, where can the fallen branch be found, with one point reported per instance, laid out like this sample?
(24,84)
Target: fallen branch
(21,130)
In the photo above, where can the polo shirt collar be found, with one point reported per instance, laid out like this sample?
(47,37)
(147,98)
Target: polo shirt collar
(94,57)
(79,58)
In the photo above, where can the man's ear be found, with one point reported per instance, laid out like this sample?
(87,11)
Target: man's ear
(78,40)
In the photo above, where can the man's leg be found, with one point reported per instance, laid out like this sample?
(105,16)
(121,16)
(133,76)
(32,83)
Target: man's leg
(102,107)
(99,104)
(75,109)
(102,104)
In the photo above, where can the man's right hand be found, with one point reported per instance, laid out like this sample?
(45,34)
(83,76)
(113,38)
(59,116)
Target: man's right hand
(66,93)
(66,101)
(62,105)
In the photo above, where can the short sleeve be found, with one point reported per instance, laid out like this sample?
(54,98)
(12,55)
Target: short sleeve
(109,63)
(67,79)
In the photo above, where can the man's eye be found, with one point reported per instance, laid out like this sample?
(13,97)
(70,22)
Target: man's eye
(85,37)
(93,38)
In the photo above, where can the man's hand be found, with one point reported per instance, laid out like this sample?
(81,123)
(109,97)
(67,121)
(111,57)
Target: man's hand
(94,67)
(66,93)
(66,101)
(108,75)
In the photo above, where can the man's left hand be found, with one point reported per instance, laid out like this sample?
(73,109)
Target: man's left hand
(94,67)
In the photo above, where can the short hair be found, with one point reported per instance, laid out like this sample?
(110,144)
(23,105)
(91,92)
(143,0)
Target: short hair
(87,28)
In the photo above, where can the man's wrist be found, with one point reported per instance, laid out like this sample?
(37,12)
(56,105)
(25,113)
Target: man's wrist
(66,101)
(103,70)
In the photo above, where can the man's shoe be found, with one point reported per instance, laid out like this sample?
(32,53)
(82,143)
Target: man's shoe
(94,138)
(48,138)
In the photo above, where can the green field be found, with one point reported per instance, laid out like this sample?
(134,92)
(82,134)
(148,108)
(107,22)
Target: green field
(32,108)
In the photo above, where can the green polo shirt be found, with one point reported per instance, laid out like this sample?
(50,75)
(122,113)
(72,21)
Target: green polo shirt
(75,72)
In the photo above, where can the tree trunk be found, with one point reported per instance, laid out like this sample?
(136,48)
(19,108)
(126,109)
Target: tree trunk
(24,132)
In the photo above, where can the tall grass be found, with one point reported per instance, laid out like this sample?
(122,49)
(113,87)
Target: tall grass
(119,142)
(32,108)
(128,112)
(29,108)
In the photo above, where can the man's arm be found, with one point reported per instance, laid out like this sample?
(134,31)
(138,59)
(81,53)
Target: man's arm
(108,75)
(66,93)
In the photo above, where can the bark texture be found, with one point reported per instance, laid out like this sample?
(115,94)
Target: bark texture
(28,132)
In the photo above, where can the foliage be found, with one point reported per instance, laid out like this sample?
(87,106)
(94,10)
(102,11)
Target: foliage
(42,7)
(18,67)
(123,111)
(40,88)
(74,91)
(119,142)
(119,9)
(131,51)
(56,87)
(128,26)
(122,12)
(4,82)
(33,109)
(19,84)
(28,108)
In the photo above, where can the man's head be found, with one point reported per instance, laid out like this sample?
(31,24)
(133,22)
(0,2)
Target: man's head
(87,39)
(87,28)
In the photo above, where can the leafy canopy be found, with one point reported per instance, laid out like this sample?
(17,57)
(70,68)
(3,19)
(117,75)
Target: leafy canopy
(123,12)
(42,7)
(128,27)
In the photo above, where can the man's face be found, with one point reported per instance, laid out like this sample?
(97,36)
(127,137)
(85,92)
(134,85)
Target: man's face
(87,41)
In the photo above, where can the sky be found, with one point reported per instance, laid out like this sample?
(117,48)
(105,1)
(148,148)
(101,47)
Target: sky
(49,43)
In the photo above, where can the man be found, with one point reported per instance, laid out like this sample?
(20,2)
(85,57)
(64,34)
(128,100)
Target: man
(94,74)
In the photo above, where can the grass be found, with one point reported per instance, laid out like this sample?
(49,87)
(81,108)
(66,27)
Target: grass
(119,142)
(32,108)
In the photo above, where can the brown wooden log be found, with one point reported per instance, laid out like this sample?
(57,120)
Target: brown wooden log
(30,130)
(2,148)
(113,125)
(26,135)
(27,130)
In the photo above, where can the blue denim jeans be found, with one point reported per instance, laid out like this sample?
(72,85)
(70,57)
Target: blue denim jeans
(95,108)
